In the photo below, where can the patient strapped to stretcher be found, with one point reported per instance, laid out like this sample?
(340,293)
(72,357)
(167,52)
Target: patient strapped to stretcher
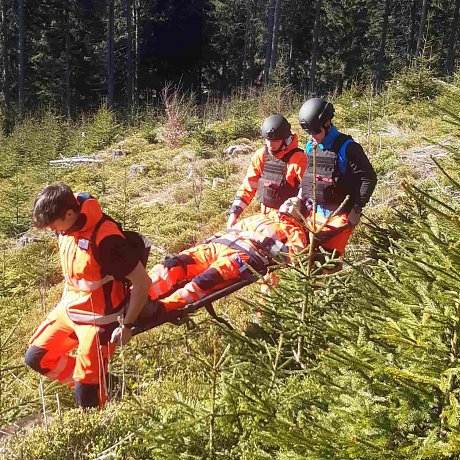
(254,244)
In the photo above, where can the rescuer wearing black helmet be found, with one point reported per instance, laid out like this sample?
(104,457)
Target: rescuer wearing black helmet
(275,172)
(342,168)
(275,127)
(314,114)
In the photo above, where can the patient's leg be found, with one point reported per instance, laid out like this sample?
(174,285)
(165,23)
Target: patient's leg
(225,270)
(173,271)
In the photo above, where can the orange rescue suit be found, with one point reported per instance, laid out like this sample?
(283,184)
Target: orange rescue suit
(86,315)
(222,259)
(89,296)
(295,170)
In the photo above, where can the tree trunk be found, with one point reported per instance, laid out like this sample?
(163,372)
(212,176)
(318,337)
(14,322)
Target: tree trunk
(383,39)
(248,32)
(110,56)
(136,50)
(410,44)
(129,54)
(21,58)
(252,46)
(67,59)
(421,29)
(453,41)
(276,27)
(268,48)
(314,51)
(6,70)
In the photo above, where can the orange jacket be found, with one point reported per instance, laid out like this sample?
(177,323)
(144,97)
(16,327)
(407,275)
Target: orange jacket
(88,297)
(294,173)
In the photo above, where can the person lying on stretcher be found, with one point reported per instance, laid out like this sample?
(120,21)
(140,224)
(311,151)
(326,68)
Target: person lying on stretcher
(254,244)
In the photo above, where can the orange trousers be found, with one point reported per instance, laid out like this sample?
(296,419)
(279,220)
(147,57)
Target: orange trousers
(204,269)
(339,240)
(49,354)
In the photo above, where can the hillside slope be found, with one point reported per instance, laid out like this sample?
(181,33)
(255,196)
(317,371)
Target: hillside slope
(177,195)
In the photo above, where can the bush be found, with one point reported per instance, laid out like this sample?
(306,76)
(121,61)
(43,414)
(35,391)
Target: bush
(99,131)
(222,132)
(416,83)
(36,141)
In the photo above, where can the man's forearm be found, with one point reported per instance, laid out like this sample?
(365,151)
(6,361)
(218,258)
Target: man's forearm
(140,287)
(136,303)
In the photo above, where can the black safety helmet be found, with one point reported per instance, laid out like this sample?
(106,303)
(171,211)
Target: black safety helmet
(275,128)
(314,114)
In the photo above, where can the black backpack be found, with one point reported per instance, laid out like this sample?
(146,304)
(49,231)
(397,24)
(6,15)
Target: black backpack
(139,243)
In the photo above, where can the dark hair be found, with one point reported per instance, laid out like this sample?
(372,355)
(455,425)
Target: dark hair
(52,203)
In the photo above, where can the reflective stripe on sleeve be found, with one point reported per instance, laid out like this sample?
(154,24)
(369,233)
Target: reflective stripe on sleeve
(253,183)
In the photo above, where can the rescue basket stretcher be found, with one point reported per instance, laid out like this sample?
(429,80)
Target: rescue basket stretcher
(182,315)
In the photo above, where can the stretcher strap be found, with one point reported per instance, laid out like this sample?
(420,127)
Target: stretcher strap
(257,261)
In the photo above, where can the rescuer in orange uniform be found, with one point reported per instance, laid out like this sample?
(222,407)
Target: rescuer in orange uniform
(95,294)
(223,259)
(275,172)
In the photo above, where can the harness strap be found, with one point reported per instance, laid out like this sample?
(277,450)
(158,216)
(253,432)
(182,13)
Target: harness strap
(270,246)
(233,241)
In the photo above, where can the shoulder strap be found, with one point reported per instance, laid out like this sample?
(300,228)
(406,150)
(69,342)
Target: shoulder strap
(339,147)
(288,157)
(339,141)
(94,246)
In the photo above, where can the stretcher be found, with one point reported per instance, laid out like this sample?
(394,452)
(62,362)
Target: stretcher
(182,315)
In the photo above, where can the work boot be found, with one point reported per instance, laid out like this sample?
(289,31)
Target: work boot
(152,310)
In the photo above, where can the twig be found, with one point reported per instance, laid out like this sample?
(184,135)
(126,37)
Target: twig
(42,396)
(107,453)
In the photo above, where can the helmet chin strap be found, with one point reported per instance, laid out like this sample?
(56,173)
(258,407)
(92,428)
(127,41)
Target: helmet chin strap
(285,143)
(274,152)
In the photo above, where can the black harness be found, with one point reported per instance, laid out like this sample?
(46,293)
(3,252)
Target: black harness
(273,189)
(329,193)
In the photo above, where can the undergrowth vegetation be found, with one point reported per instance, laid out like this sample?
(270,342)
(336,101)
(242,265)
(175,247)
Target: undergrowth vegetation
(360,365)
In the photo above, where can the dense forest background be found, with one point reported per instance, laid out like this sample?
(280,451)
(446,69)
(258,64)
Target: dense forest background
(72,55)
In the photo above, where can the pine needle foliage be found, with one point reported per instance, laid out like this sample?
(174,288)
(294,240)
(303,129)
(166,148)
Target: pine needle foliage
(358,365)
(379,374)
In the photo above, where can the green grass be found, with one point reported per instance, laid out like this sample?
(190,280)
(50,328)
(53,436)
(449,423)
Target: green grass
(174,211)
